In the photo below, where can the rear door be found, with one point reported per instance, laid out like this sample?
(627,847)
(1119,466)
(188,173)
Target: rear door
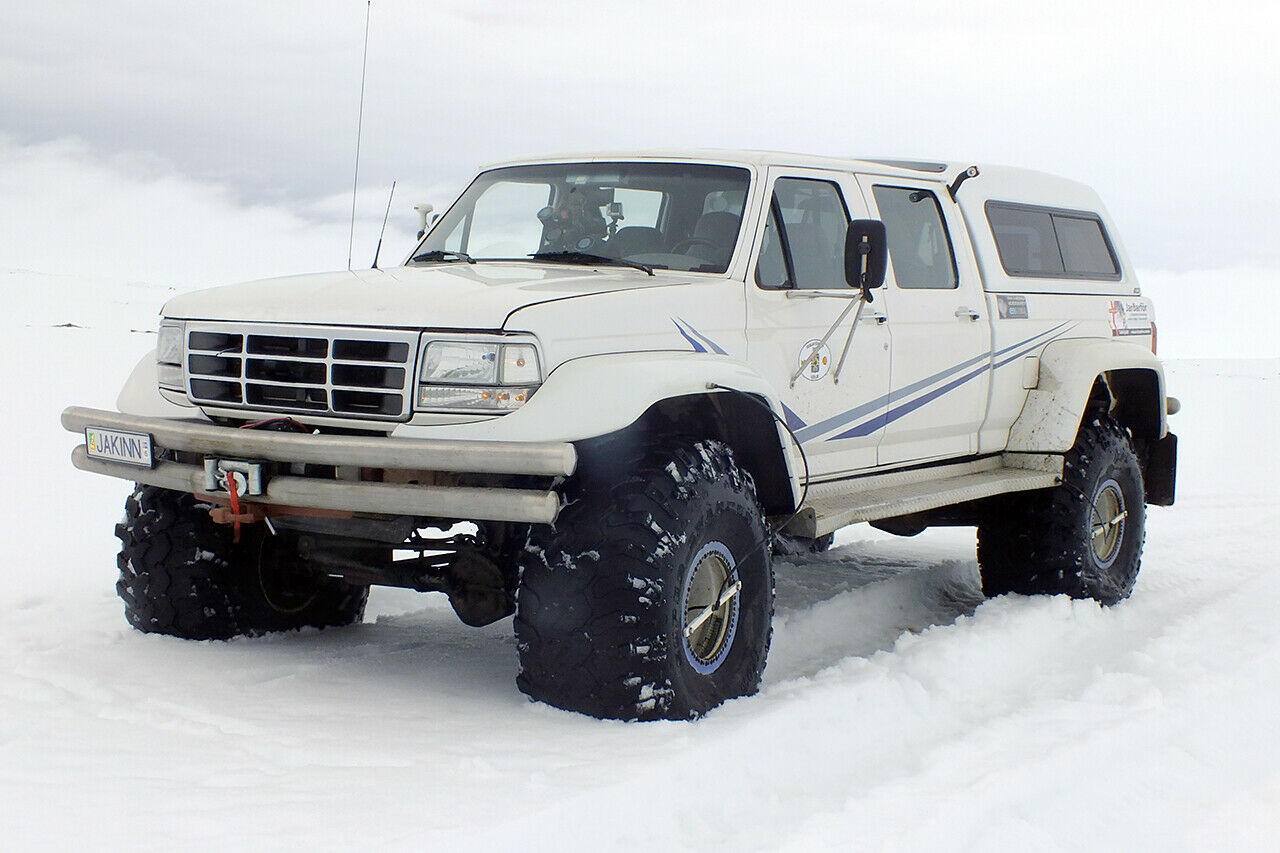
(941,336)
(800,312)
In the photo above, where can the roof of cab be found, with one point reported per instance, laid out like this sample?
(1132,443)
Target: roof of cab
(1007,182)
(992,183)
(758,159)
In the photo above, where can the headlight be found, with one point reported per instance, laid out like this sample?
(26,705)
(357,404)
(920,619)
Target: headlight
(169,350)
(477,375)
(459,362)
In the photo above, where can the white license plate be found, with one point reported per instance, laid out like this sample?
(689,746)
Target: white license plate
(132,448)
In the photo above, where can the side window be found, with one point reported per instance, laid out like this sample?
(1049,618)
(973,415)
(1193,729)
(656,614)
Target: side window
(804,236)
(640,208)
(453,243)
(771,270)
(1085,250)
(1025,240)
(492,231)
(919,246)
(725,201)
(635,223)
(1051,243)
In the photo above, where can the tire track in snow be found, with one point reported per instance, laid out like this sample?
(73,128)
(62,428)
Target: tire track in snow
(888,599)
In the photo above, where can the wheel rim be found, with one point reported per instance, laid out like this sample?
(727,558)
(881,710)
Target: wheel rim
(710,607)
(1107,522)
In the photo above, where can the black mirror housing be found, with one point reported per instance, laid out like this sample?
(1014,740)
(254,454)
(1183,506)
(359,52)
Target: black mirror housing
(866,254)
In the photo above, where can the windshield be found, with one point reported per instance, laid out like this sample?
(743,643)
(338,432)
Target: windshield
(680,216)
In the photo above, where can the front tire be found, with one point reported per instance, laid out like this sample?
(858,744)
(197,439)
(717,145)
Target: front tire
(182,575)
(1083,538)
(652,596)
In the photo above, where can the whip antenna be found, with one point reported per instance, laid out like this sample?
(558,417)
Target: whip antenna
(355,181)
(378,251)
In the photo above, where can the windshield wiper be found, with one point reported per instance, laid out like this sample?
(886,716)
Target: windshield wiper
(443,255)
(588,258)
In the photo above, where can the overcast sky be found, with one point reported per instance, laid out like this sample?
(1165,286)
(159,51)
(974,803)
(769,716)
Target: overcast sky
(1168,109)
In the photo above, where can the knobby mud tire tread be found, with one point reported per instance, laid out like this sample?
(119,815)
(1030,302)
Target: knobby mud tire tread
(592,621)
(1040,545)
(181,575)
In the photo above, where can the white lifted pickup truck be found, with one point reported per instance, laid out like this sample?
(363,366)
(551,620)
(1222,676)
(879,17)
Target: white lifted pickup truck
(604,389)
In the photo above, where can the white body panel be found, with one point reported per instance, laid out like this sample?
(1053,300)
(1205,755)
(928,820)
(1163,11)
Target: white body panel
(1003,183)
(1050,318)
(454,296)
(940,341)
(822,405)
(1051,416)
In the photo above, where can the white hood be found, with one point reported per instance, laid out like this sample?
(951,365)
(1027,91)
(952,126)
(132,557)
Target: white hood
(447,296)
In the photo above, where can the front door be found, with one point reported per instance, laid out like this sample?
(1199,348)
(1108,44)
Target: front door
(801,311)
(937,318)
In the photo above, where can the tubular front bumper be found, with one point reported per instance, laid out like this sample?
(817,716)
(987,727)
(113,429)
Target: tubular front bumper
(546,459)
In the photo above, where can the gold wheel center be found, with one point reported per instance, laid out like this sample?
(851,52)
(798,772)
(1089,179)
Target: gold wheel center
(709,607)
(1107,522)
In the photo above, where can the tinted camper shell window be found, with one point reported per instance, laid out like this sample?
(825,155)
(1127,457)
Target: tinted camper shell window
(1047,242)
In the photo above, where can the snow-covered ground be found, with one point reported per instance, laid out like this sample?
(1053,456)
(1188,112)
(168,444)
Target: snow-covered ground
(899,711)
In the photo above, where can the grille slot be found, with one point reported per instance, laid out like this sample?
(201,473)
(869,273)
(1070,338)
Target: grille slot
(212,365)
(287,397)
(216,341)
(365,376)
(392,352)
(347,373)
(367,403)
(217,392)
(292,372)
(279,345)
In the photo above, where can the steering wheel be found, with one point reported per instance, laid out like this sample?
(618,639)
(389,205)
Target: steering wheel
(679,248)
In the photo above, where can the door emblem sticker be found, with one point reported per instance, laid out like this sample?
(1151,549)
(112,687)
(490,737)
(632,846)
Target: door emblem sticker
(816,358)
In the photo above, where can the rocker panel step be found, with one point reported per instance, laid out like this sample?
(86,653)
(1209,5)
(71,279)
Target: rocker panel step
(833,505)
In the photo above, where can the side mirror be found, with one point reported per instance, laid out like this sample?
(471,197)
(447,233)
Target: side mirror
(866,254)
(426,218)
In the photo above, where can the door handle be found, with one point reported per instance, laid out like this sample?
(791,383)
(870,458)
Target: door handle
(878,319)
(964,311)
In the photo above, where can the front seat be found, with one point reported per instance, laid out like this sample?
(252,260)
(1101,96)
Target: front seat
(713,237)
(635,240)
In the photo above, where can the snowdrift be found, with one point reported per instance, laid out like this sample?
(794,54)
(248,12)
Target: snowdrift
(899,710)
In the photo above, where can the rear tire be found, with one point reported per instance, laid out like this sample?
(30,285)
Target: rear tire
(627,607)
(181,575)
(1082,539)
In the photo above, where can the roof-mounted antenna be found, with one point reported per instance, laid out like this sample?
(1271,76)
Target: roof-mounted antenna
(355,181)
(378,251)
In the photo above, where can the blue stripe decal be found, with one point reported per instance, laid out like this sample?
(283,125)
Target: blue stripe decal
(697,347)
(835,421)
(907,408)
(793,421)
(699,341)
(712,345)
(1056,328)
(811,432)
(864,428)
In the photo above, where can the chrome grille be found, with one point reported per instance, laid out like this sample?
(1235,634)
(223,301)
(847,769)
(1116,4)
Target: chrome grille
(302,370)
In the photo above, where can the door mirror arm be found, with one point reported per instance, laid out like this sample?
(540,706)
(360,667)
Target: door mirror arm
(864,250)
